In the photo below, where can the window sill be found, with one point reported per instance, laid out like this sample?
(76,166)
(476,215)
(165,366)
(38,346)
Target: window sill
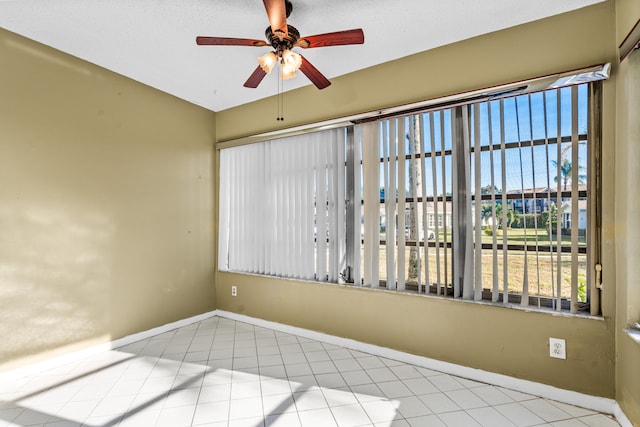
(534,309)
(527,309)
(508,306)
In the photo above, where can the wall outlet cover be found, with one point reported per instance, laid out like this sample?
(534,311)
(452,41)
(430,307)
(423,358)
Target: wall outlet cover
(557,348)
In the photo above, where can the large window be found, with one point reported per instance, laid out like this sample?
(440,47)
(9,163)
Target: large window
(493,200)
(511,177)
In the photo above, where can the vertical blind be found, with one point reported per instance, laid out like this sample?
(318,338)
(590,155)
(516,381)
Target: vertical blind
(282,207)
(480,201)
(488,200)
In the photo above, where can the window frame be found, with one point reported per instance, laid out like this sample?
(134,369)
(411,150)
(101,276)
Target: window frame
(594,73)
(535,200)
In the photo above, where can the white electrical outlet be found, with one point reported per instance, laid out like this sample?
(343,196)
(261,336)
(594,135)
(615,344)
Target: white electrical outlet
(234,291)
(557,348)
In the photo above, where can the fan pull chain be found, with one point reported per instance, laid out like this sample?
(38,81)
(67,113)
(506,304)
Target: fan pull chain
(280,99)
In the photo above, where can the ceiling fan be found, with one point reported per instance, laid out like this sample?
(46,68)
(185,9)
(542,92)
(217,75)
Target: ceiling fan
(282,38)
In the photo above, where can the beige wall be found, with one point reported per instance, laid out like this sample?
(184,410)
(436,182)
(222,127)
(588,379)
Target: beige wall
(627,209)
(106,205)
(510,342)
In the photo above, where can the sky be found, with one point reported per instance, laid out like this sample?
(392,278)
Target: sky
(524,120)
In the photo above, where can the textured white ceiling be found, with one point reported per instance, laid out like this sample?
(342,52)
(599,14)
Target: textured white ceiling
(153,41)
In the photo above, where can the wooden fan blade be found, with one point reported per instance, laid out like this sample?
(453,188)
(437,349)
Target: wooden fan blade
(338,38)
(313,74)
(255,78)
(277,13)
(228,41)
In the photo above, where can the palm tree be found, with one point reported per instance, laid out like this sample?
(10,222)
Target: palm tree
(414,233)
(566,171)
(487,213)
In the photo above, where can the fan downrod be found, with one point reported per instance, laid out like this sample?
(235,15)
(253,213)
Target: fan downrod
(280,41)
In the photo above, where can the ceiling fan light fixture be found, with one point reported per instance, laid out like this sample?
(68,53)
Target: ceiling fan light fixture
(287,72)
(268,61)
(291,60)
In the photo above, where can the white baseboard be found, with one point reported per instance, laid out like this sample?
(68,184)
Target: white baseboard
(595,403)
(621,417)
(75,356)
(161,329)
(600,404)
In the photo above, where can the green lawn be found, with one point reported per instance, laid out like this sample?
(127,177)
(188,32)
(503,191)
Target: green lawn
(541,266)
(518,235)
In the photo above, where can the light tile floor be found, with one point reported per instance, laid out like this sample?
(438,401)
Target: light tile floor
(220,372)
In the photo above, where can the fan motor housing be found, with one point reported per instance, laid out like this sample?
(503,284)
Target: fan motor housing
(281,41)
